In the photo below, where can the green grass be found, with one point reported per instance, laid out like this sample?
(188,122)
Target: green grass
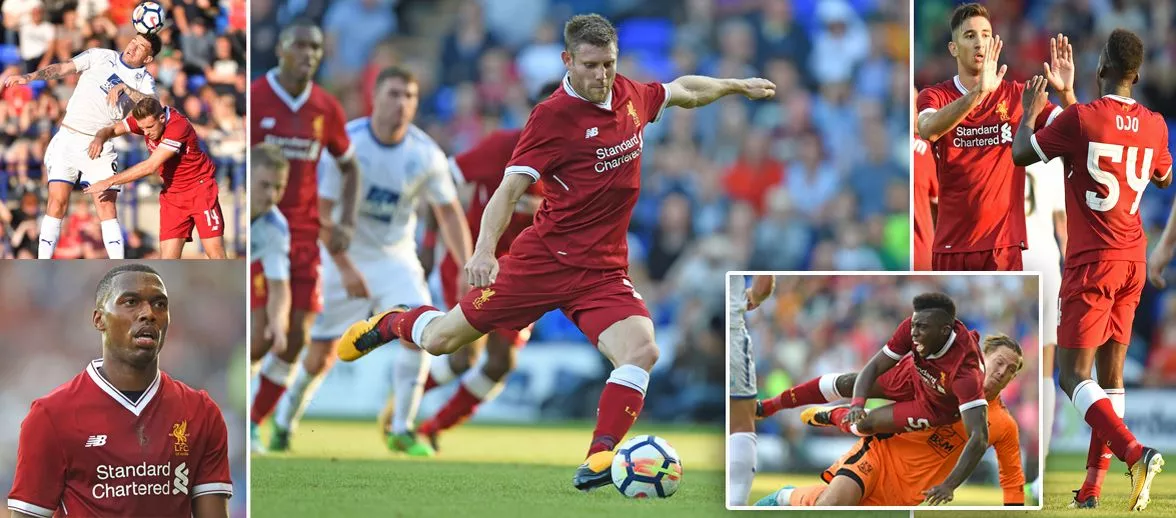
(342,469)
(967,495)
(1065,473)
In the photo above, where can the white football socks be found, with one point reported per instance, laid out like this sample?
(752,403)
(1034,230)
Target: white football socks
(50,231)
(297,396)
(741,462)
(112,237)
(408,383)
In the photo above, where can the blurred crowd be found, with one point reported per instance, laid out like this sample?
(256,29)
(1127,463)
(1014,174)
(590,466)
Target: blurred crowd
(201,71)
(814,179)
(47,337)
(1026,26)
(816,325)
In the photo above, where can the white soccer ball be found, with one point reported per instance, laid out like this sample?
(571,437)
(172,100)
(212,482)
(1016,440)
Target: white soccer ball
(647,467)
(148,18)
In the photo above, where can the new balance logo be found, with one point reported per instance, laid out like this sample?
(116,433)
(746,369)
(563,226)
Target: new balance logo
(592,132)
(96,440)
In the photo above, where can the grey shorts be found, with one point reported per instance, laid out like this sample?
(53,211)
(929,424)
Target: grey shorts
(742,382)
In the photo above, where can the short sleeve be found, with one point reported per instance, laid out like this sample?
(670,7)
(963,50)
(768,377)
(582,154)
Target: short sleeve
(275,263)
(330,179)
(538,148)
(1057,138)
(1006,440)
(84,60)
(335,132)
(1163,166)
(41,466)
(968,386)
(132,125)
(147,85)
(930,100)
(174,136)
(211,476)
(1047,115)
(654,99)
(440,185)
(900,343)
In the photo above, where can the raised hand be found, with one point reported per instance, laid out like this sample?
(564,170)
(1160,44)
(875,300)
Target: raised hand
(1060,69)
(1033,99)
(990,73)
(757,88)
(16,80)
(481,270)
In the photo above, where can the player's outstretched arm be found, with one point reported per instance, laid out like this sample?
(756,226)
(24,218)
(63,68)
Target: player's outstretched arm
(49,73)
(1033,100)
(696,91)
(1060,69)
(761,288)
(1162,254)
(339,234)
(117,129)
(483,266)
(140,170)
(976,425)
(210,506)
(876,367)
(277,310)
(934,124)
(455,233)
(353,281)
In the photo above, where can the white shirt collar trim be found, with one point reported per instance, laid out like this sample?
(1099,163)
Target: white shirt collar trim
(960,85)
(950,340)
(294,103)
(1120,98)
(567,86)
(135,407)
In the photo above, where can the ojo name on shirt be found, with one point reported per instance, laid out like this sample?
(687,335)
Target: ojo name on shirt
(171,485)
(605,154)
(990,135)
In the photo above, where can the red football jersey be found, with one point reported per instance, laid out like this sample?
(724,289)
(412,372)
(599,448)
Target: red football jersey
(926,185)
(190,165)
(981,192)
(1112,148)
(87,449)
(589,159)
(483,166)
(301,126)
(953,379)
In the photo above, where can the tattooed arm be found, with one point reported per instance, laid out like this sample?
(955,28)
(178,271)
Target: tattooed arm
(134,95)
(49,73)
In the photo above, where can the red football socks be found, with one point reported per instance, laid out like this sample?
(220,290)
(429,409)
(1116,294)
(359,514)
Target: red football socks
(460,407)
(1098,461)
(399,325)
(1108,426)
(266,399)
(617,411)
(807,393)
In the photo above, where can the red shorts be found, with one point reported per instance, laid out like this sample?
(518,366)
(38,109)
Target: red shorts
(1098,302)
(531,284)
(913,410)
(1006,259)
(449,291)
(197,207)
(306,285)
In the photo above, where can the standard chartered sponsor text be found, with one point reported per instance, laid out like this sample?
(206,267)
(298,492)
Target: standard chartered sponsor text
(124,488)
(980,136)
(606,154)
(295,148)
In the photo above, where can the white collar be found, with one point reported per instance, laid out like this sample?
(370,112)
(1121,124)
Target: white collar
(1120,98)
(567,86)
(136,407)
(960,85)
(946,346)
(294,103)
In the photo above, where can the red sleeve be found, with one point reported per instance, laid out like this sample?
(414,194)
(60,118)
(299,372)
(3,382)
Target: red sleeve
(40,466)
(539,145)
(338,143)
(484,163)
(654,97)
(1060,136)
(211,473)
(900,343)
(1047,115)
(968,386)
(931,98)
(174,135)
(132,125)
(1163,166)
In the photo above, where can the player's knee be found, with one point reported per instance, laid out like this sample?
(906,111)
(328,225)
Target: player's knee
(316,364)
(1110,379)
(643,354)
(460,361)
(845,384)
(55,207)
(1068,379)
(499,365)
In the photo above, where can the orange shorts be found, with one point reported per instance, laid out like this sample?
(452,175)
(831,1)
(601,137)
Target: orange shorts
(1098,302)
(873,470)
(1006,259)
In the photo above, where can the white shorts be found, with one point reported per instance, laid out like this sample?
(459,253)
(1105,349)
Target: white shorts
(67,159)
(1051,285)
(390,281)
(742,384)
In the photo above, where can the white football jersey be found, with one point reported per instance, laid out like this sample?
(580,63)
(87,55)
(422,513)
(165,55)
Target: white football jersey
(102,69)
(393,179)
(736,300)
(1044,194)
(269,242)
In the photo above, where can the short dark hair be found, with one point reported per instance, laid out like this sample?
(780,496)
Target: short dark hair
(992,342)
(155,41)
(966,11)
(300,23)
(1124,52)
(592,29)
(938,301)
(103,290)
(147,107)
(396,72)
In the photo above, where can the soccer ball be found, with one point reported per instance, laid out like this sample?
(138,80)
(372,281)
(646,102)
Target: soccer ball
(148,18)
(647,466)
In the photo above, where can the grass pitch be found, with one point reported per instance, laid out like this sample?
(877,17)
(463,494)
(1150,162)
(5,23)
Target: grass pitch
(339,468)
